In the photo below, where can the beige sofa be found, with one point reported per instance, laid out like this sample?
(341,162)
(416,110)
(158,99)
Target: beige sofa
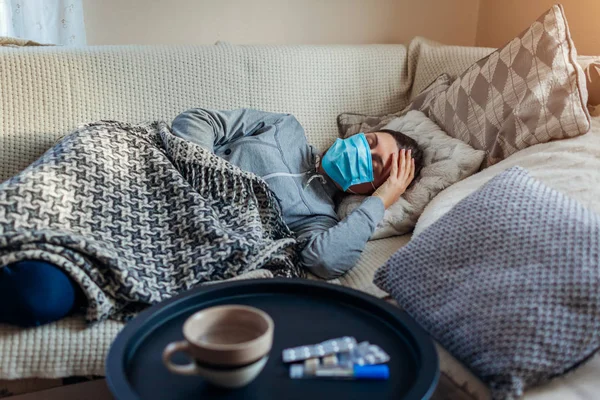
(45,92)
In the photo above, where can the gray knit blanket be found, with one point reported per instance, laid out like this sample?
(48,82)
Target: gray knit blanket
(136,215)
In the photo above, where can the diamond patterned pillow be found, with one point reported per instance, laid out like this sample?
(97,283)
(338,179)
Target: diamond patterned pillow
(528,92)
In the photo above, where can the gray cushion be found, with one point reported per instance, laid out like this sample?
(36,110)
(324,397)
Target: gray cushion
(507,281)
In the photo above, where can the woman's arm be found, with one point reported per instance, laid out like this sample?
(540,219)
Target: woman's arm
(213,128)
(332,247)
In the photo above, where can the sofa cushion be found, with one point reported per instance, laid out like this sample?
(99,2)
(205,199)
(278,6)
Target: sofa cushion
(511,269)
(570,166)
(530,91)
(70,348)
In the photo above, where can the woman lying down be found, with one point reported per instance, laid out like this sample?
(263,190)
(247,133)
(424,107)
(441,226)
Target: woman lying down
(273,146)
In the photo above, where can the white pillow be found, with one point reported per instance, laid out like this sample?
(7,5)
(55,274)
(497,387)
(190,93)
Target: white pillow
(445,161)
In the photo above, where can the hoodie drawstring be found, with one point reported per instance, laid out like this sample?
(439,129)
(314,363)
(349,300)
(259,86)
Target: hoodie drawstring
(313,174)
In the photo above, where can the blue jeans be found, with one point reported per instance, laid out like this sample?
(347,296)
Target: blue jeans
(34,293)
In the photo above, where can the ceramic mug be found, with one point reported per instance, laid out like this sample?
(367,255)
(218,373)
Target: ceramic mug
(229,345)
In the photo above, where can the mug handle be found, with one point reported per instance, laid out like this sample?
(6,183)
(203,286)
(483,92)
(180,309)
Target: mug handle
(174,347)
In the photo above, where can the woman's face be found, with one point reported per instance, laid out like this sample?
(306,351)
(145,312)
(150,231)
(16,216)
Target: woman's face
(383,146)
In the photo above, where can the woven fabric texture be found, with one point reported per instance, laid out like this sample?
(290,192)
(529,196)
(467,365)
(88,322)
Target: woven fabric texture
(70,348)
(431,68)
(353,123)
(427,60)
(46,92)
(510,270)
(570,166)
(530,91)
(65,348)
(136,215)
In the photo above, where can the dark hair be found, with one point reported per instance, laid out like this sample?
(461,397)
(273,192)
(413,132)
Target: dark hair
(408,143)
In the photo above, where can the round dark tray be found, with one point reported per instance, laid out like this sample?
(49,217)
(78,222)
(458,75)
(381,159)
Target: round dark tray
(304,312)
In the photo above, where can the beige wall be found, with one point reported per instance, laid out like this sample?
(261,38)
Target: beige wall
(279,21)
(501,20)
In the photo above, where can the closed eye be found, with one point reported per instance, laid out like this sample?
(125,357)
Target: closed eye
(376,158)
(371,139)
(377,163)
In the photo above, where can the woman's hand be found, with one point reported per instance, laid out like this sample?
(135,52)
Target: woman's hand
(402,174)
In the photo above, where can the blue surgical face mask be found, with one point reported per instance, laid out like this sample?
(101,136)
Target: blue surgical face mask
(348,162)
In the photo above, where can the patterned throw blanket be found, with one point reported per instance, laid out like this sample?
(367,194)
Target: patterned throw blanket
(136,215)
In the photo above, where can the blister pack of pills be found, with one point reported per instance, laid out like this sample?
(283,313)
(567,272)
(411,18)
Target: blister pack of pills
(332,346)
(366,353)
(340,351)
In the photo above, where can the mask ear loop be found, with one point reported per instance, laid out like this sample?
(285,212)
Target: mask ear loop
(372,185)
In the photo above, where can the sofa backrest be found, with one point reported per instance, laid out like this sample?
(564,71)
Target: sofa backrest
(429,59)
(46,92)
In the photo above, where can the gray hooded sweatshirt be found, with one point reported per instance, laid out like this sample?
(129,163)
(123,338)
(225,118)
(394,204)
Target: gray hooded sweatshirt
(274,147)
